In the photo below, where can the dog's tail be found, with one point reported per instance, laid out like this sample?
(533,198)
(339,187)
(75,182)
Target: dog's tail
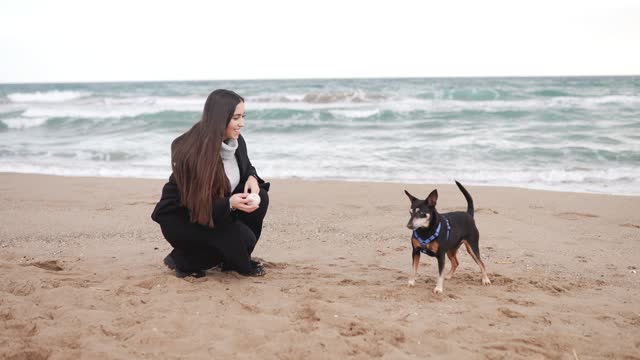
(468,197)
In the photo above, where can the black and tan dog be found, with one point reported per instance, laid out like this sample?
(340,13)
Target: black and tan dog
(438,234)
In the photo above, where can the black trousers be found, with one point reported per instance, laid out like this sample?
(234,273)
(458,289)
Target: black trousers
(197,247)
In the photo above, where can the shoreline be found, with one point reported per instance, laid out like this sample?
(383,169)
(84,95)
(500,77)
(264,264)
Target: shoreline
(312,180)
(82,276)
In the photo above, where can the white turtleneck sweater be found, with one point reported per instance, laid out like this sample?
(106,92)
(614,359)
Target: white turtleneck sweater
(231,169)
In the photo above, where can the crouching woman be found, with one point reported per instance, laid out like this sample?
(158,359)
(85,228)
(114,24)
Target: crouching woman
(208,211)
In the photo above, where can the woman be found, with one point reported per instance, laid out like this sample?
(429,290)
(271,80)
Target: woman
(205,212)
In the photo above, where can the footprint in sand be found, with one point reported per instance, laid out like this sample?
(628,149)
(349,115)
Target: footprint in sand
(52,265)
(550,287)
(385,208)
(544,320)
(141,202)
(307,314)
(390,335)
(20,288)
(575,215)
(630,317)
(512,314)
(521,302)
(526,348)
(306,319)
(152,282)
(6,314)
(486,211)
(353,329)
(348,282)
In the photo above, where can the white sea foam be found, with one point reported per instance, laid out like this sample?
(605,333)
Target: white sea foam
(107,108)
(615,181)
(164,102)
(110,107)
(442,105)
(303,106)
(276,97)
(330,97)
(23,123)
(356,114)
(54,96)
(93,112)
(181,103)
(618,181)
(101,170)
(617,99)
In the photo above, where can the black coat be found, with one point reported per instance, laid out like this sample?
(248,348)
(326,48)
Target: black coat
(169,203)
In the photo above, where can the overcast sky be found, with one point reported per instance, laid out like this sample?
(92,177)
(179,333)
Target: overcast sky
(119,40)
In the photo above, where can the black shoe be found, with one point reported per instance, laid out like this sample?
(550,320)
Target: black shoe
(255,272)
(225,267)
(171,264)
(254,265)
(198,274)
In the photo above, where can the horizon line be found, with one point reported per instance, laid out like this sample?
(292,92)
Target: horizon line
(318,78)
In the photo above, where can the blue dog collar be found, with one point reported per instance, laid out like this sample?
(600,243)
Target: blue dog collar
(425,242)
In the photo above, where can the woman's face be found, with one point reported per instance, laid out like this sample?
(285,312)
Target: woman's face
(236,123)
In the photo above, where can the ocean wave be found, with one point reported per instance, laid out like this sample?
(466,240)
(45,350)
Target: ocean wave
(87,112)
(368,166)
(164,102)
(99,112)
(111,107)
(536,104)
(332,97)
(617,100)
(23,123)
(453,106)
(152,122)
(610,181)
(54,96)
(357,96)
(474,94)
(276,97)
(355,114)
(551,93)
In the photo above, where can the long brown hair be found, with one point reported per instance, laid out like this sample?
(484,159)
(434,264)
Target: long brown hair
(195,156)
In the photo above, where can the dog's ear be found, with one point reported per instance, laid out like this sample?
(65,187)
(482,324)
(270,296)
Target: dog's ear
(411,197)
(432,199)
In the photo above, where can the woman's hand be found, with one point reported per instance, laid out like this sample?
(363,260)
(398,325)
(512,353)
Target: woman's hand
(240,202)
(252,184)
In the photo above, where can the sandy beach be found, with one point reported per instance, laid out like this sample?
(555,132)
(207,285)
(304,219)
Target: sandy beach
(82,277)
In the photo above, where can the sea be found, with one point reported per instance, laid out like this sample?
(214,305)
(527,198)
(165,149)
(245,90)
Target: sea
(578,134)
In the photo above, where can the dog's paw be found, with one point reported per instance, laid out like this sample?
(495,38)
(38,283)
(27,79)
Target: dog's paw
(437,290)
(486,281)
(411,282)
